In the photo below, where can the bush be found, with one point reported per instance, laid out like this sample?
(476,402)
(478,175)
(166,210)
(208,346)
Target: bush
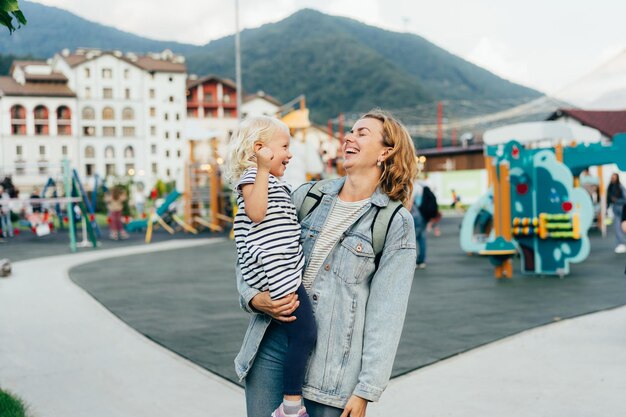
(11,406)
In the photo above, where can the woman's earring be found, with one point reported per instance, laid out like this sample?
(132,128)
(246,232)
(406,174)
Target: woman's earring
(378,163)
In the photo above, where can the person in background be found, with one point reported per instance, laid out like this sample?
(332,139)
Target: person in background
(419,222)
(616,199)
(5,213)
(140,200)
(115,203)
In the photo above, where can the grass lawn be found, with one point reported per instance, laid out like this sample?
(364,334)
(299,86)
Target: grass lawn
(11,406)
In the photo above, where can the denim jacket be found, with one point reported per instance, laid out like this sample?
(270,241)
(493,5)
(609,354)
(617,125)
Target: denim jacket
(359,310)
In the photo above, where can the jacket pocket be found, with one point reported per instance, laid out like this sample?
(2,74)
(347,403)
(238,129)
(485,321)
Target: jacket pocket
(356,259)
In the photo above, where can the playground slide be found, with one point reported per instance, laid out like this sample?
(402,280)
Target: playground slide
(142,224)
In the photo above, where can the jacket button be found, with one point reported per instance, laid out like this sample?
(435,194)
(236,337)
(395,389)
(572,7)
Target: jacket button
(314,297)
(327,267)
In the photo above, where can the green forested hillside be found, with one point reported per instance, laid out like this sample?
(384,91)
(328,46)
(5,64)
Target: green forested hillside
(341,65)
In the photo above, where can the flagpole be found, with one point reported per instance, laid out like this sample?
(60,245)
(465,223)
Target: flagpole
(238,63)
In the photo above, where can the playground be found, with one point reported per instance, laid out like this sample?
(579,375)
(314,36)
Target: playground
(122,318)
(115,318)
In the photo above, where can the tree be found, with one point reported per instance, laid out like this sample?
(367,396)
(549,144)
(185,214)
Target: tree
(9,9)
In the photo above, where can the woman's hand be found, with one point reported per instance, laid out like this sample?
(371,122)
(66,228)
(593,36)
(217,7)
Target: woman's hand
(280,309)
(355,407)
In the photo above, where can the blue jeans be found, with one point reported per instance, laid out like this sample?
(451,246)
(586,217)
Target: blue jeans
(420,236)
(264,383)
(617,224)
(5,224)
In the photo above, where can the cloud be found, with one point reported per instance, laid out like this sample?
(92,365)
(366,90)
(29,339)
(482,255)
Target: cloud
(497,57)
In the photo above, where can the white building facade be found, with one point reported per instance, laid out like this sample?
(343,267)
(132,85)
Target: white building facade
(110,114)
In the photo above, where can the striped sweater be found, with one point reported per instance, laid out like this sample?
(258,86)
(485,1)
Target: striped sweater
(269,252)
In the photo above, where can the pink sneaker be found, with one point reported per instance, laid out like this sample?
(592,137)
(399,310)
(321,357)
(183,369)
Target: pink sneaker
(280,412)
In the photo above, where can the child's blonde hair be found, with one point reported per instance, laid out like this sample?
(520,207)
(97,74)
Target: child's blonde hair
(241,147)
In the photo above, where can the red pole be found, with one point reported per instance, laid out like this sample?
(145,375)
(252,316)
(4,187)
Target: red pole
(439,125)
(454,137)
(341,121)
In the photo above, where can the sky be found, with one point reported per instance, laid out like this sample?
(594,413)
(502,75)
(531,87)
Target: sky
(543,44)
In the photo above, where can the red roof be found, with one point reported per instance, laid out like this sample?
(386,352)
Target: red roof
(608,122)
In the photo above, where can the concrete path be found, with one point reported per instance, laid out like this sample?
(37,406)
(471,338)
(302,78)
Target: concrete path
(573,368)
(66,355)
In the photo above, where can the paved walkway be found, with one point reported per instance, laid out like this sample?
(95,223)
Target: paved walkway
(66,355)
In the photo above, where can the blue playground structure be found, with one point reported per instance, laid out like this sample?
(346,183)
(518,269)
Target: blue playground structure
(536,209)
(161,211)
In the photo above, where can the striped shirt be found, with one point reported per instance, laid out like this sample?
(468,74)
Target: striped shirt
(269,252)
(342,215)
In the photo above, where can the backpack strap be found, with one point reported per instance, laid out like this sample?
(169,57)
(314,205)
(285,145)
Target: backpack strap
(312,199)
(380,227)
(380,224)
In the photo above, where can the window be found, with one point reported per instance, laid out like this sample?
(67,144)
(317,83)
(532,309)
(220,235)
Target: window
(87,73)
(89,169)
(110,169)
(152,111)
(152,130)
(128,114)
(128,131)
(226,98)
(171,79)
(167,154)
(87,92)
(18,120)
(107,93)
(153,149)
(89,131)
(171,99)
(43,169)
(20,169)
(130,169)
(177,116)
(208,97)
(127,93)
(228,113)
(41,120)
(152,93)
(154,168)
(177,135)
(126,73)
(64,150)
(108,131)
(166,117)
(19,150)
(89,113)
(178,153)
(42,151)
(129,152)
(108,113)
(64,121)
(109,152)
(107,73)
(167,135)
(168,173)
(90,152)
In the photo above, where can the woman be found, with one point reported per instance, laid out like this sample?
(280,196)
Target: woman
(616,198)
(359,299)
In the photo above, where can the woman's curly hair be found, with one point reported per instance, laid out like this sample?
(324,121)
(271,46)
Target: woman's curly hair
(400,167)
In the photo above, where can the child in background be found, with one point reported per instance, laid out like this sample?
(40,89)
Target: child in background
(115,203)
(267,235)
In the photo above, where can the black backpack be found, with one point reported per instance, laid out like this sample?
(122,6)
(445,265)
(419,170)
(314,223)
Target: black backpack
(428,207)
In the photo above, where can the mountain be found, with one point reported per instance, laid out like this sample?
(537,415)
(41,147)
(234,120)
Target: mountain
(342,65)
(50,29)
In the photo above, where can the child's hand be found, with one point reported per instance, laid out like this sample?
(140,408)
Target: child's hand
(264,157)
